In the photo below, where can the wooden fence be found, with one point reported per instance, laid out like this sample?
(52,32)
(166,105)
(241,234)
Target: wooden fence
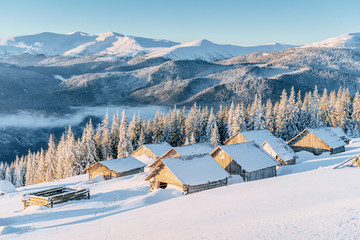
(53,196)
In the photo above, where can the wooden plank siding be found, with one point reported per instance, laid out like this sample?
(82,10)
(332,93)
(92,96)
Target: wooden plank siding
(308,141)
(227,162)
(234,168)
(172,153)
(99,169)
(143,150)
(164,175)
(238,138)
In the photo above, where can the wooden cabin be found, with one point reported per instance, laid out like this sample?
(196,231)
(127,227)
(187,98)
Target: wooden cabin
(276,147)
(189,150)
(116,168)
(317,141)
(153,150)
(246,159)
(341,134)
(191,173)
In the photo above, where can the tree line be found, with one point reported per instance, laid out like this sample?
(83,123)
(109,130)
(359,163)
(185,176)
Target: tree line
(70,156)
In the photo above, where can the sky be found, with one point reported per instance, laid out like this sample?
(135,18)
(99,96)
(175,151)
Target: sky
(241,22)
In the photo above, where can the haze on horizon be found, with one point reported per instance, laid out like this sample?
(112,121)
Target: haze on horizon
(233,22)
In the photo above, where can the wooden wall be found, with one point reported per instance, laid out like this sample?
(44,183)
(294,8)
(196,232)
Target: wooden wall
(238,138)
(309,142)
(227,162)
(131,172)
(171,154)
(165,175)
(99,169)
(143,150)
(260,174)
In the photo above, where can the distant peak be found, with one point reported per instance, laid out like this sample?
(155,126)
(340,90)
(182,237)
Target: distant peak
(78,33)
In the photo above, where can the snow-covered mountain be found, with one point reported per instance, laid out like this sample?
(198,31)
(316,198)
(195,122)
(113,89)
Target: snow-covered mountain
(79,44)
(346,41)
(209,51)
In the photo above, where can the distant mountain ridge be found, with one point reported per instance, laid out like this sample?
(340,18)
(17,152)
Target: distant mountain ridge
(79,44)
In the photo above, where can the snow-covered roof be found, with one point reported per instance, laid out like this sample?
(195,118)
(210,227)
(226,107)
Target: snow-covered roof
(158,149)
(196,170)
(328,136)
(340,133)
(250,156)
(123,164)
(281,148)
(277,144)
(6,187)
(194,149)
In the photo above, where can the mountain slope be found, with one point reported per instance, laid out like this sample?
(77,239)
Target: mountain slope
(348,41)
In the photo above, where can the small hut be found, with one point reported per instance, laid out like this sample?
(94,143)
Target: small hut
(191,173)
(189,150)
(317,141)
(341,134)
(116,168)
(276,147)
(148,153)
(246,159)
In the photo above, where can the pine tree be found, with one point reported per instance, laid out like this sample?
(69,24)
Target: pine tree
(98,144)
(88,147)
(42,168)
(125,146)
(105,139)
(114,136)
(50,160)
(269,116)
(355,116)
(2,171)
(31,169)
(70,153)
(60,158)
(215,138)
(210,125)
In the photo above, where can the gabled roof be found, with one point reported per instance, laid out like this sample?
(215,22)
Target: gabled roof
(158,149)
(194,149)
(122,164)
(340,133)
(194,170)
(277,144)
(280,147)
(326,135)
(249,156)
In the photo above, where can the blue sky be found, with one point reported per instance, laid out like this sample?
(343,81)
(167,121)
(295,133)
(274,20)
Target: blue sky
(239,22)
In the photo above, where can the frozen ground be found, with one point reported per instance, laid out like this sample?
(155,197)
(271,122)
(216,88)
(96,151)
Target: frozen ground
(309,200)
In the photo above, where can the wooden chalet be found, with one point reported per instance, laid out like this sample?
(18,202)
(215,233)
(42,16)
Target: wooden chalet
(116,168)
(153,150)
(341,134)
(191,173)
(276,147)
(317,141)
(246,159)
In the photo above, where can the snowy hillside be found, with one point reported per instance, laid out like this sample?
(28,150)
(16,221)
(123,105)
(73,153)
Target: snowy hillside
(309,200)
(347,41)
(209,51)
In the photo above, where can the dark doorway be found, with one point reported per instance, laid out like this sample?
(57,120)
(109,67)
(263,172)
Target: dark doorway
(163,185)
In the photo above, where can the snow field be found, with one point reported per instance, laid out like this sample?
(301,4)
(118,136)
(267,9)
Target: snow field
(309,200)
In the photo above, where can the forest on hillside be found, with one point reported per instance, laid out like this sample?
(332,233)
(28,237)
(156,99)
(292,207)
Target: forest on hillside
(294,112)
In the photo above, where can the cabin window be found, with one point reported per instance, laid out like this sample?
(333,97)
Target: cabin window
(163,185)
